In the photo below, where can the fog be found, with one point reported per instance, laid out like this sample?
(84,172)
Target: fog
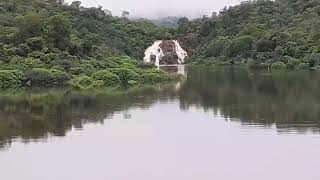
(161,8)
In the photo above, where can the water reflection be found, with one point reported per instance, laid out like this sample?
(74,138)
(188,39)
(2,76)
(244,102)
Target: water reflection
(287,101)
(176,69)
(30,116)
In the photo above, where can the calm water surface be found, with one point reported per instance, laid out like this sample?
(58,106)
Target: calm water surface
(221,124)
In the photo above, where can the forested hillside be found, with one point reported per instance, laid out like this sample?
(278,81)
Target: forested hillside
(285,33)
(47,43)
(50,43)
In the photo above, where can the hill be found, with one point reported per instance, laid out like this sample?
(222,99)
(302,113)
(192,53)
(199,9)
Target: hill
(259,33)
(50,42)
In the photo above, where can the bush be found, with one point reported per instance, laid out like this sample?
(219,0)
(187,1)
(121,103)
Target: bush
(87,69)
(57,68)
(128,66)
(86,82)
(47,77)
(279,65)
(110,63)
(157,71)
(75,71)
(66,64)
(26,63)
(49,57)
(154,77)
(303,66)
(98,84)
(125,75)
(59,77)
(139,71)
(144,65)
(120,61)
(36,43)
(293,63)
(107,77)
(83,82)
(19,74)
(11,79)
(312,59)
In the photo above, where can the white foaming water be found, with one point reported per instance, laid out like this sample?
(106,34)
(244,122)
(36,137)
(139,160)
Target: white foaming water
(156,51)
(182,54)
(153,50)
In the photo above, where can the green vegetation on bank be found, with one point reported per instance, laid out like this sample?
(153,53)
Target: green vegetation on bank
(47,43)
(261,98)
(259,33)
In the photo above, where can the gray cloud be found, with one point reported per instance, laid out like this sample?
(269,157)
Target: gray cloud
(161,8)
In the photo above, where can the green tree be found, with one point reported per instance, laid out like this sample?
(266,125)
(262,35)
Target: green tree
(241,46)
(30,25)
(279,65)
(125,75)
(11,79)
(217,47)
(47,77)
(59,31)
(107,77)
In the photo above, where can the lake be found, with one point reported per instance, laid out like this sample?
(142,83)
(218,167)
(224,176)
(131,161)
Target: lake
(220,123)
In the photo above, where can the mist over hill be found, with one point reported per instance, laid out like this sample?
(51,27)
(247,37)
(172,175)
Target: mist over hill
(167,22)
(153,9)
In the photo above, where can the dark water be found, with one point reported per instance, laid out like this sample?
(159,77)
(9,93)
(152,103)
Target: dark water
(221,124)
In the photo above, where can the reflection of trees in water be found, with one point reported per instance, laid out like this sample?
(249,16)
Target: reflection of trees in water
(290,100)
(36,116)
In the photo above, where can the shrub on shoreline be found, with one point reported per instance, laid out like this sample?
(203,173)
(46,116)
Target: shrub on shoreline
(278,65)
(81,73)
(11,79)
(108,78)
(47,77)
(125,75)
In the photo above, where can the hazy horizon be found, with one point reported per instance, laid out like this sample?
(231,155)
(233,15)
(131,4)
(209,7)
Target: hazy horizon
(153,9)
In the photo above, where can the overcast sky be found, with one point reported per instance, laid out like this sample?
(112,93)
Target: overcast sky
(162,8)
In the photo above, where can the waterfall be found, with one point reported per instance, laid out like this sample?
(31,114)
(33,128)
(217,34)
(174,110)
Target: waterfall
(182,54)
(154,50)
(154,53)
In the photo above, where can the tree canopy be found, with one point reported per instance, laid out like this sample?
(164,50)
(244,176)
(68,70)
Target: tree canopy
(263,31)
(43,37)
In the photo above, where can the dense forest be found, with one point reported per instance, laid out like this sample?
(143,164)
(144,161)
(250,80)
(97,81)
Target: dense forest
(50,43)
(260,33)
